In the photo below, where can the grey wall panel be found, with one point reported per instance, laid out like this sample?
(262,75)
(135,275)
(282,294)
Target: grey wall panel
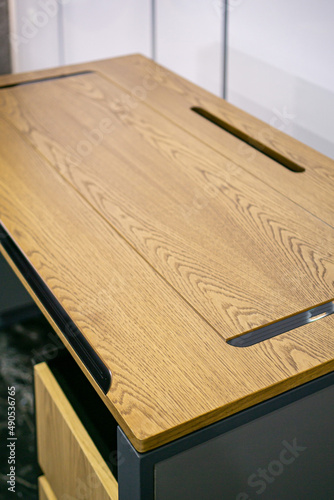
(5,61)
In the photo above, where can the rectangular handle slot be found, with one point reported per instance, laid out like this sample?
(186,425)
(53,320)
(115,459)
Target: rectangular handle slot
(254,142)
(284,325)
(45,79)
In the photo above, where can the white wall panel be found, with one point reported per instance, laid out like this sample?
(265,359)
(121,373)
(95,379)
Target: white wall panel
(105,28)
(189,40)
(281,66)
(34,34)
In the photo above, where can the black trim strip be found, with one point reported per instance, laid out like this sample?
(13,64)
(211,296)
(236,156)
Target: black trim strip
(284,325)
(46,79)
(76,339)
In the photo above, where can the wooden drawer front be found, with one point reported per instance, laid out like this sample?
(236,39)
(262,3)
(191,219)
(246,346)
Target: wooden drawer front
(73,466)
(44,489)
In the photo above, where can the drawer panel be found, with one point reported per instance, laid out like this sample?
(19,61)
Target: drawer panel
(66,453)
(44,489)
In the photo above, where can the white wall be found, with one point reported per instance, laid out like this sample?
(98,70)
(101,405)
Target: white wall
(281,66)
(34,29)
(105,28)
(189,40)
(46,33)
(280,57)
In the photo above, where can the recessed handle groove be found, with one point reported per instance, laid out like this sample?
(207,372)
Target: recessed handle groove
(45,79)
(284,325)
(254,142)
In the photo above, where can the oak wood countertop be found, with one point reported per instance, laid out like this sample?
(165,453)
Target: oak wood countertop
(163,235)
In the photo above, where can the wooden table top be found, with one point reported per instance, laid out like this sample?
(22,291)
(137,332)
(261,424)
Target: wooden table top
(163,236)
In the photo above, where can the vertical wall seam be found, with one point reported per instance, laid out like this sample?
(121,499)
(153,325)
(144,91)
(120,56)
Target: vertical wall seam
(153,30)
(61,42)
(225,48)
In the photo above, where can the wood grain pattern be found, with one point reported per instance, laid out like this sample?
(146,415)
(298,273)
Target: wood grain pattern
(211,229)
(121,251)
(44,489)
(174,97)
(66,453)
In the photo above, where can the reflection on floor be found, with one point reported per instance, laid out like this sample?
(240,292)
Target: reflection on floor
(19,346)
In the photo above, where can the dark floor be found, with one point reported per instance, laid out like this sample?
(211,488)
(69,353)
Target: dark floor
(19,345)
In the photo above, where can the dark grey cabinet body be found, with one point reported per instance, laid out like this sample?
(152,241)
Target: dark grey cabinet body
(281,449)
